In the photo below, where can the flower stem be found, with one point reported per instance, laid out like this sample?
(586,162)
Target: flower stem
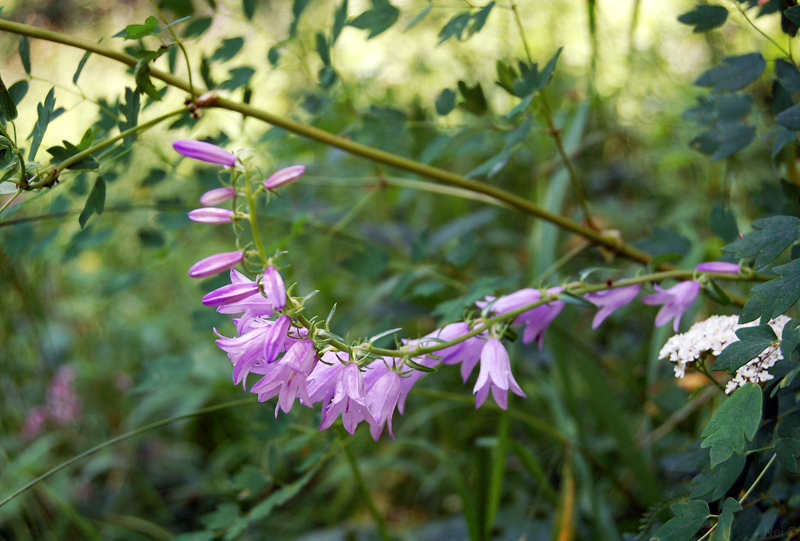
(10,200)
(180,44)
(136,432)
(253,213)
(362,486)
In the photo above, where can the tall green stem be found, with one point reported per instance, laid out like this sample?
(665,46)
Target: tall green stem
(253,213)
(180,44)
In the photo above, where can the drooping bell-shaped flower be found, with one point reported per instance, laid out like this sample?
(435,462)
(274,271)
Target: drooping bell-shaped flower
(252,306)
(215,264)
(675,300)
(216,196)
(382,399)
(274,288)
(536,320)
(321,383)
(211,215)
(204,152)
(285,176)
(349,399)
(718,266)
(287,378)
(611,299)
(231,294)
(495,375)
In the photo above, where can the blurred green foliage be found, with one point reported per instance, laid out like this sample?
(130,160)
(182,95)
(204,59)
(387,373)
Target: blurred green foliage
(98,282)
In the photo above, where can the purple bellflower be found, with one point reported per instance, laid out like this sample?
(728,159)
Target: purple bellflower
(274,288)
(675,300)
(204,152)
(285,176)
(349,399)
(381,401)
(536,320)
(231,293)
(211,215)
(495,375)
(718,266)
(215,264)
(253,306)
(217,196)
(611,299)
(287,378)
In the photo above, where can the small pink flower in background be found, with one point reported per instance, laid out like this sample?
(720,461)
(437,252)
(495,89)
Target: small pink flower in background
(63,405)
(204,152)
(495,375)
(215,264)
(285,176)
(719,266)
(34,422)
(217,196)
(611,299)
(211,215)
(675,300)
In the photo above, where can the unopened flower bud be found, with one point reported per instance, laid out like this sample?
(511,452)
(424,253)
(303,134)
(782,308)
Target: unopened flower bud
(217,196)
(205,152)
(211,215)
(215,264)
(284,176)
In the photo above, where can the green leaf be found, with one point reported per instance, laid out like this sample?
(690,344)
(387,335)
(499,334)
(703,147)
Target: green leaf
(130,111)
(197,27)
(788,75)
(735,421)
(81,64)
(238,77)
(138,31)
(775,297)
(95,203)
(474,99)
(421,15)
(323,49)
(150,237)
(718,480)
(225,515)
(249,8)
(787,447)
(141,74)
(496,163)
(283,495)
(45,111)
(327,76)
(725,520)
(228,49)
(446,102)
(711,109)
(421,367)
(479,19)
(793,14)
(455,27)
(790,118)
(732,137)
(205,73)
(736,72)
(181,8)
(790,337)
(378,19)
(531,80)
(704,18)
(297,9)
(689,518)
(339,21)
(274,55)
(769,238)
(506,75)
(67,151)
(25,53)
(8,110)
(723,223)
(752,341)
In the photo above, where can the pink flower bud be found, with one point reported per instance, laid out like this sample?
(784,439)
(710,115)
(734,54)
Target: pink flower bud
(719,266)
(217,196)
(211,215)
(205,152)
(284,176)
(215,264)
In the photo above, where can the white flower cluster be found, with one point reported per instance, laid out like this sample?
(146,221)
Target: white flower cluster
(712,336)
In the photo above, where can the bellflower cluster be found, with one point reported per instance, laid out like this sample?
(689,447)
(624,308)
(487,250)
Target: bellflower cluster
(711,337)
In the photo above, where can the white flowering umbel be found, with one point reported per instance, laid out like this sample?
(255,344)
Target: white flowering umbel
(711,337)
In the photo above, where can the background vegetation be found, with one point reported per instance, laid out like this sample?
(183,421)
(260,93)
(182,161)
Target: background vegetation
(107,312)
